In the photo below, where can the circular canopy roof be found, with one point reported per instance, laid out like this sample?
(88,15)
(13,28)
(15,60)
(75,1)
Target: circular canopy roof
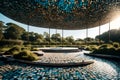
(61,14)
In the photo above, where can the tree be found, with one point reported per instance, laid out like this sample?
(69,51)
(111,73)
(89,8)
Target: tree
(39,37)
(79,40)
(114,36)
(70,39)
(25,36)
(89,39)
(31,36)
(13,31)
(46,36)
(56,37)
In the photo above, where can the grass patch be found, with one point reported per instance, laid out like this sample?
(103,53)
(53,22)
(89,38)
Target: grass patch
(26,55)
(22,53)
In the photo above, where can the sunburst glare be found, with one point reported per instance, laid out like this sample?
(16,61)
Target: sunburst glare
(116,23)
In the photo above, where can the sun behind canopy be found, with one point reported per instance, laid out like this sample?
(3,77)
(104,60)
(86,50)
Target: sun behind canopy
(61,14)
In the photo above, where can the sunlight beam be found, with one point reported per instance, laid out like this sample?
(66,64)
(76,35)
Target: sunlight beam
(116,23)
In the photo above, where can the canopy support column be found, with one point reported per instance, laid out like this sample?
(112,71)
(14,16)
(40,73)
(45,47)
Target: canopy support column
(49,36)
(28,27)
(62,36)
(109,32)
(86,41)
(28,31)
(56,36)
(99,33)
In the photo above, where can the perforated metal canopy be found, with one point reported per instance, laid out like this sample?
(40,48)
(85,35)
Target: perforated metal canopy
(61,14)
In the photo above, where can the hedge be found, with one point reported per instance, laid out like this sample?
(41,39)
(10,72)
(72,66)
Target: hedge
(11,42)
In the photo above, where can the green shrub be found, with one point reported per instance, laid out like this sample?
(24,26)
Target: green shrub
(103,46)
(118,51)
(94,47)
(13,50)
(25,48)
(116,45)
(4,49)
(91,47)
(26,55)
(34,49)
(111,51)
(88,48)
(108,51)
(100,51)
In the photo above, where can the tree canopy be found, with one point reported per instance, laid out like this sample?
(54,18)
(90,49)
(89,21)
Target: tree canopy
(114,36)
(13,31)
(56,37)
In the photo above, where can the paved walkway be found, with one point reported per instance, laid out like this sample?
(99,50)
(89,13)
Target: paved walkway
(60,58)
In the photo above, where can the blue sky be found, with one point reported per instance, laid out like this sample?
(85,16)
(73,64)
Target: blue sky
(92,32)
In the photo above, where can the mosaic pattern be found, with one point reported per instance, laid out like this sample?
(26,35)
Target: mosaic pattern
(101,70)
(66,14)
